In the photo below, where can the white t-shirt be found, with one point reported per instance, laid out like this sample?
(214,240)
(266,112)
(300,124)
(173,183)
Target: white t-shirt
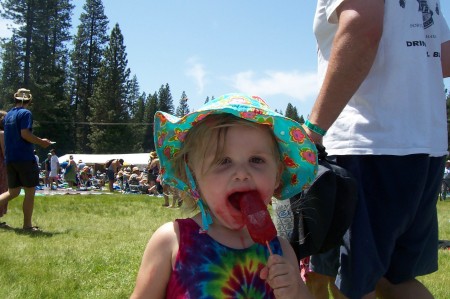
(400,108)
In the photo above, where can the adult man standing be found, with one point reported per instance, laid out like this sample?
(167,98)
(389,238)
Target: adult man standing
(54,169)
(21,165)
(111,171)
(382,101)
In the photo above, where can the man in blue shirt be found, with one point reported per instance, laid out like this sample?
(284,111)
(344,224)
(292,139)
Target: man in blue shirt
(21,165)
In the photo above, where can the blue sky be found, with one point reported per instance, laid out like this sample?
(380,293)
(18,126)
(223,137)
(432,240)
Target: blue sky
(208,48)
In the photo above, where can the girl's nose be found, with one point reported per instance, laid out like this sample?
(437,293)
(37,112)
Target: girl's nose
(241,174)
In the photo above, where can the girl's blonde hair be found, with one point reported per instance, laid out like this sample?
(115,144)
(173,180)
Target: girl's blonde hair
(211,132)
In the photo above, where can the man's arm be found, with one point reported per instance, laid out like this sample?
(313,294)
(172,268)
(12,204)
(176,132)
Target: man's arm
(354,50)
(445,59)
(30,137)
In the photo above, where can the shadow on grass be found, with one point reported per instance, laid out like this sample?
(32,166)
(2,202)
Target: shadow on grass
(444,244)
(33,234)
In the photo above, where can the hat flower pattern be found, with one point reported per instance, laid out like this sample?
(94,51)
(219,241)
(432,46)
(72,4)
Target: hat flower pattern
(289,162)
(168,152)
(294,179)
(308,155)
(298,153)
(161,119)
(179,135)
(161,138)
(199,118)
(297,135)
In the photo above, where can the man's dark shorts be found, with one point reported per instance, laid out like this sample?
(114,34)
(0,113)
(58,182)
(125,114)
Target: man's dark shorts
(110,175)
(22,174)
(394,233)
(326,263)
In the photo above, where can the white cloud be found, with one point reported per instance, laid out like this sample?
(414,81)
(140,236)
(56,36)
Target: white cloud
(196,71)
(293,84)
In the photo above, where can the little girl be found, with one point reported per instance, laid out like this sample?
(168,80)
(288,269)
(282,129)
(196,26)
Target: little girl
(231,145)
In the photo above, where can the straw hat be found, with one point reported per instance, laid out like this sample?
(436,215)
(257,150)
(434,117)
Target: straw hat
(23,94)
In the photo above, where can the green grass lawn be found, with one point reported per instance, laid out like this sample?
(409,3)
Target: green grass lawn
(91,246)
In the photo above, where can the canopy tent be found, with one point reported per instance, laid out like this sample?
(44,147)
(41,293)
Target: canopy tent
(139,160)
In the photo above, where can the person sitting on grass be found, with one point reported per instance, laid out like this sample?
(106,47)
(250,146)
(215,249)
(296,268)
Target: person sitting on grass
(85,177)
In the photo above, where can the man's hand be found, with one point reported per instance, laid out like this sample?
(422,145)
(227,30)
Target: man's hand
(316,138)
(45,143)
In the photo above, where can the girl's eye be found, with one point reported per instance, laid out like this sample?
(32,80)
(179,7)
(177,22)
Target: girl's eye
(256,160)
(223,161)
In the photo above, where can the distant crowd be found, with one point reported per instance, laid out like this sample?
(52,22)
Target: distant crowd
(115,174)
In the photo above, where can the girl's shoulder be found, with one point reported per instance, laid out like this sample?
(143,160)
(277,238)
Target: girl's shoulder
(166,234)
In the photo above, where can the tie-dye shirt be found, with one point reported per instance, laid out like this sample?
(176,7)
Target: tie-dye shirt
(204,268)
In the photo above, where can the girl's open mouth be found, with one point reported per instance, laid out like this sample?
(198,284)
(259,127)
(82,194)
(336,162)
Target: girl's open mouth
(234,199)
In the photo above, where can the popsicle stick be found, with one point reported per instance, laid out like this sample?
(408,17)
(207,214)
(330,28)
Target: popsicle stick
(270,249)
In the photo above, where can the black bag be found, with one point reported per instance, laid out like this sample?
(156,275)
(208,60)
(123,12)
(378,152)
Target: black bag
(108,163)
(324,211)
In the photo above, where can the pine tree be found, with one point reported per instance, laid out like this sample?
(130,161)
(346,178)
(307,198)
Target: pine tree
(292,113)
(139,115)
(301,120)
(39,43)
(23,15)
(11,73)
(88,46)
(295,115)
(139,124)
(150,110)
(48,72)
(133,96)
(109,100)
(289,112)
(183,107)
(165,102)
(208,99)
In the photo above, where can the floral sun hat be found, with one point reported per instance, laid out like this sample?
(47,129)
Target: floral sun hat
(299,154)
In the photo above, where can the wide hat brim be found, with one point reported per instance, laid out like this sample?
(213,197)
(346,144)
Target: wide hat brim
(299,154)
(23,95)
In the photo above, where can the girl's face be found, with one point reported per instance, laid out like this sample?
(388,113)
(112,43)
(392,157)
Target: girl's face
(248,163)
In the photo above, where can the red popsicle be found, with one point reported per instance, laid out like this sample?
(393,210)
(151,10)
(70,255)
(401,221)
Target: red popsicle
(257,218)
